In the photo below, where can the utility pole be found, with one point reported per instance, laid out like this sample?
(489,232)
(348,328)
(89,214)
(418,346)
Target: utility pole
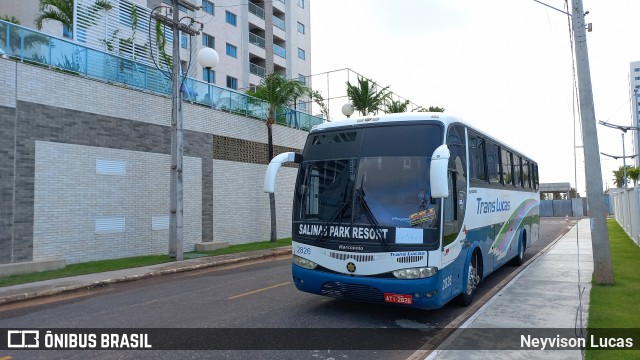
(176,203)
(603,269)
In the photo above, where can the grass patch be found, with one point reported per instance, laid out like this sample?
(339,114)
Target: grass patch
(615,306)
(132,262)
(262,245)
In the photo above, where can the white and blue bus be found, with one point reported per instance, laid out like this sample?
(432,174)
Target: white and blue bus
(408,209)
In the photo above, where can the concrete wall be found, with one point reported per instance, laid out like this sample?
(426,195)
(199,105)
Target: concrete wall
(561,208)
(53,128)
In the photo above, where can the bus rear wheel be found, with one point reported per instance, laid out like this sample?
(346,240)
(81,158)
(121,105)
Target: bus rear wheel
(473,279)
(519,259)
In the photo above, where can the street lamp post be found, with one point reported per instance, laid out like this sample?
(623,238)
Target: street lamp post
(208,58)
(347,110)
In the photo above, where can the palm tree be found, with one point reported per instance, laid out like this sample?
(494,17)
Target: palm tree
(634,174)
(57,10)
(62,11)
(618,176)
(393,107)
(277,92)
(364,96)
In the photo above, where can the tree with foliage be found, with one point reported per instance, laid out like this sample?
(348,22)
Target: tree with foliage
(393,106)
(318,99)
(634,173)
(430,109)
(364,96)
(12,19)
(62,11)
(277,92)
(56,10)
(618,176)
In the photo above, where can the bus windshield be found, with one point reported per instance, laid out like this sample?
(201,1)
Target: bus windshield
(377,188)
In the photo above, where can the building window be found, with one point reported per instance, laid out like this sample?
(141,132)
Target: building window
(302,79)
(232,51)
(208,7)
(232,83)
(302,105)
(301,3)
(183,41)
(209,75)
(231,18)
(636,69)
(300,28)
(67,32)
(208,40)
(637,77)
(301,54)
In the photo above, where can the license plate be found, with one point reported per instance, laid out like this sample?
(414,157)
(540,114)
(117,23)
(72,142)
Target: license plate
(398,298)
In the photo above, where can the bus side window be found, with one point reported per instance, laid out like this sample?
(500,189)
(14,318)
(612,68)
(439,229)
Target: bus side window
(517,170)
(477,164)
(507,167)
(493,163)
(525,175)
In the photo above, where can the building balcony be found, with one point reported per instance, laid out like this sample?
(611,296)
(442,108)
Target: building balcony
(256,10)
(256,40)
(279,23)
(280,51)
(257,70)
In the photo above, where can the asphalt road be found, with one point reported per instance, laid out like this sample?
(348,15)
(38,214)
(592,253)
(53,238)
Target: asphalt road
(258,295)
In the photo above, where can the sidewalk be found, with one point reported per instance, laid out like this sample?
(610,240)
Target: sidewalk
(38,289)
(543,296)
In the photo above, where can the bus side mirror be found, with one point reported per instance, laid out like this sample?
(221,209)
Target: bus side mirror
(274,166)
(438,174)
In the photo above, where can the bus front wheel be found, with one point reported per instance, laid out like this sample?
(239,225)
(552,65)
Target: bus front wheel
(473,279)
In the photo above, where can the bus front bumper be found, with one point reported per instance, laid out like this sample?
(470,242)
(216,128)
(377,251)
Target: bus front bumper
(423,293)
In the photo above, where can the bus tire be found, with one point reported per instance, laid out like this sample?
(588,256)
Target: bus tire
(522,246)
(473,279)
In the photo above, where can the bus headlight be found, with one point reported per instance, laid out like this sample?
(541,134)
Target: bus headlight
(416,273)
(304,263)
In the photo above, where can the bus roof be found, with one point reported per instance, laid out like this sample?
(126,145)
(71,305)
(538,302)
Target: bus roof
(445,119)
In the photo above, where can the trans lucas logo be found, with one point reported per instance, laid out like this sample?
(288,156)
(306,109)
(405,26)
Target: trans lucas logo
(488,207)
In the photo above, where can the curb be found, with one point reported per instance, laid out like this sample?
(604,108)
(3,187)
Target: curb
(213,262)
(449,330)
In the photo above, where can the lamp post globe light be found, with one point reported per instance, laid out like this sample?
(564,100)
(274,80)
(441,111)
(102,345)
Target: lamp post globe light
(208,58)
(347,110)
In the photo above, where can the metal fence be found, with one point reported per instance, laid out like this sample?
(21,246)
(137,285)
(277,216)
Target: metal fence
(626,203)
(34,47)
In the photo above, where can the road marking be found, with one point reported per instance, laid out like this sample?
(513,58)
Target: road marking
(257,291)
(6,358)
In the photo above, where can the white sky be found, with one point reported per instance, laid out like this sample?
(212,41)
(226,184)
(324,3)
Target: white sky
(502,65)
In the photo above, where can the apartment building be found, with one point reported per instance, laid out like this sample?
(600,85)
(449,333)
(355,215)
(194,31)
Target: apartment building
(252,37)
(634,91)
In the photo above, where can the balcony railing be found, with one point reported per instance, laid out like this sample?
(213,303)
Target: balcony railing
(46,51)
(257,70)
(279,23)
(256,10)
(256,40)
(280,51)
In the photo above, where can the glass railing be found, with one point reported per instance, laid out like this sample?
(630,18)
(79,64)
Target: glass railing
(256,40)
(279,23)
(280,51)
(256,10)
(38,49)
(257,70)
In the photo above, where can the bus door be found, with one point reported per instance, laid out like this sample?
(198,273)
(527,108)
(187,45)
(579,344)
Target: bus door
(454,205)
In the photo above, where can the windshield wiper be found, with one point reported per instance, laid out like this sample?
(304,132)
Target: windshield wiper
(371,219)
(337,215)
